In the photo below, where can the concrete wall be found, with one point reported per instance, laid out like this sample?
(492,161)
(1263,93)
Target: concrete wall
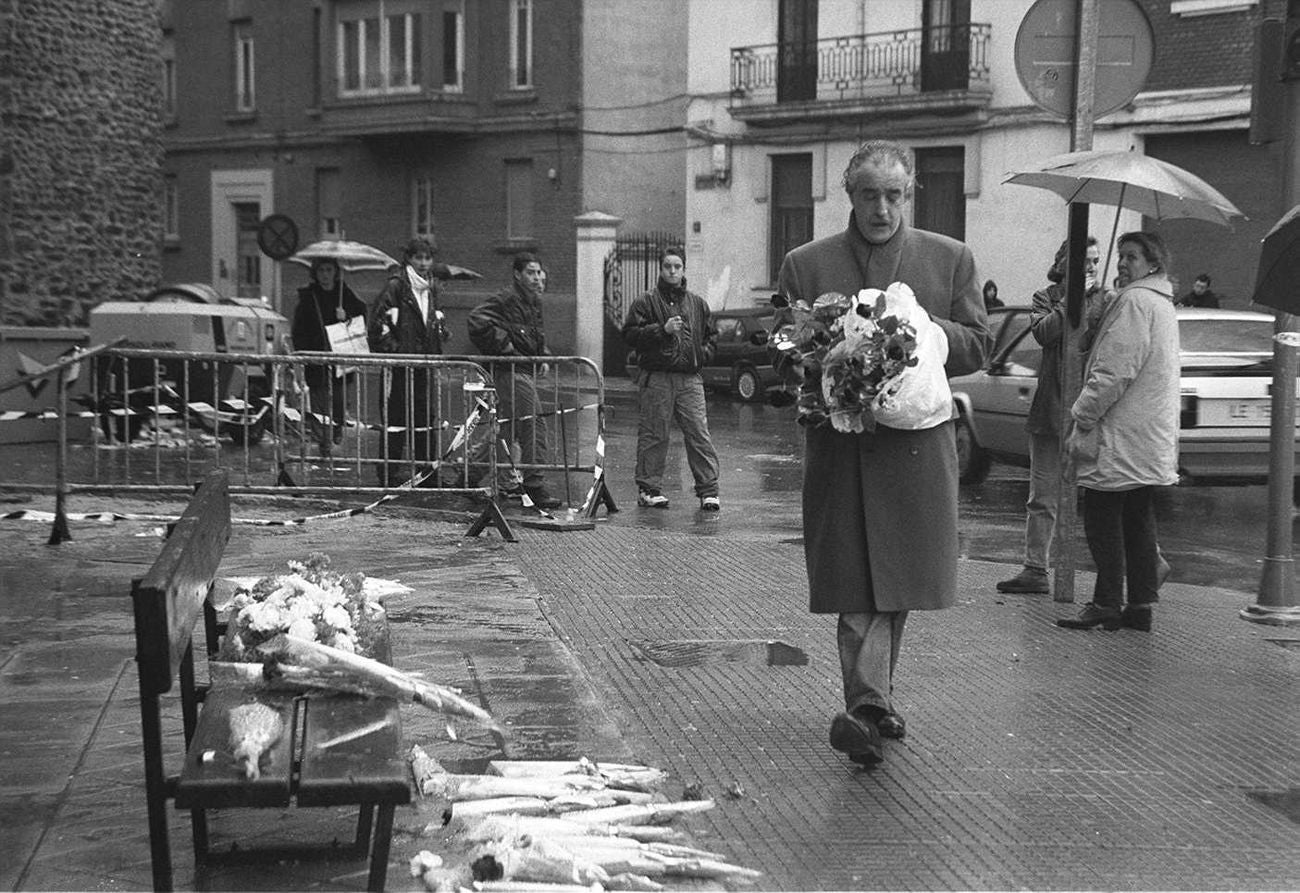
(80,192)
(630,85)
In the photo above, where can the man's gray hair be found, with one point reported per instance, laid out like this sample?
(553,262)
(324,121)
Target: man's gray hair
(882,151)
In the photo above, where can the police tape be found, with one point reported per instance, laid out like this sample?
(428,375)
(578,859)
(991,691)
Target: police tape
(235,413)
(458,442)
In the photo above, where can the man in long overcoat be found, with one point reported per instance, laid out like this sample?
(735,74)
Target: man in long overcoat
(880,508)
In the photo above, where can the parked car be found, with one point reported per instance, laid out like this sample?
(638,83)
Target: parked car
(1227,359)
(742,363)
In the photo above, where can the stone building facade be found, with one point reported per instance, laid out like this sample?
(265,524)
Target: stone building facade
(80,157)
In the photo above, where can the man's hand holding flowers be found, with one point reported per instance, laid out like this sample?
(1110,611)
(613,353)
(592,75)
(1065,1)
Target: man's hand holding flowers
(875,357)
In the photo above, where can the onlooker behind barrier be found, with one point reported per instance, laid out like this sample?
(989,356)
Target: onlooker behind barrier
(509,324)
(673,335)
(324,301)
(406,320)
(1200,295)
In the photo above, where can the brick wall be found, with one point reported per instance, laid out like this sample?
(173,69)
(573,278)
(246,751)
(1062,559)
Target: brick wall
(80,154)
(1206,50)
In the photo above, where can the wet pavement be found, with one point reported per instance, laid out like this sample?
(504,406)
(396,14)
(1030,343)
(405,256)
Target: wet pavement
(1036,757)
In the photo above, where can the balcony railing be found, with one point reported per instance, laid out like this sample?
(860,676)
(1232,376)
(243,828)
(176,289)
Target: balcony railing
(862,66)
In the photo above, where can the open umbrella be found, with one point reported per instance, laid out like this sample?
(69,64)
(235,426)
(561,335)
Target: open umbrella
(350,256)
(1131,181)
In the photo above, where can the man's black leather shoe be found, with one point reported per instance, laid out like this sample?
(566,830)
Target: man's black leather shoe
(892,725)
(861,741)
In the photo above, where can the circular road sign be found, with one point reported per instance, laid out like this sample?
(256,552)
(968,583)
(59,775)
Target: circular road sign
(1045,54)
(277,236)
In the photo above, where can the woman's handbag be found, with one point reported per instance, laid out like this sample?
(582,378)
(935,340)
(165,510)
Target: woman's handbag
(348,336)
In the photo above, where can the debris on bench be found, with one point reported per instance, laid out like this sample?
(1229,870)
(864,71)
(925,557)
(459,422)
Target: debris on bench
(254,727)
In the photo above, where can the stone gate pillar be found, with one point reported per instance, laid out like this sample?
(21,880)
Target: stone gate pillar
(596,235)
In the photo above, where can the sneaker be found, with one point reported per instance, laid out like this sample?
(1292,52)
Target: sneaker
(710,504)
(1030,579)
(1094,615)
(652,499)
(541,498)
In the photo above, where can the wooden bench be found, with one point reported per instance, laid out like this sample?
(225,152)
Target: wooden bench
(369,772)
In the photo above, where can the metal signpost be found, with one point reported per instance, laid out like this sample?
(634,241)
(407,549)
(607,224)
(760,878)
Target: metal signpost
(1079,59)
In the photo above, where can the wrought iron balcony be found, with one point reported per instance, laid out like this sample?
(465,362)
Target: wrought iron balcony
(862,69)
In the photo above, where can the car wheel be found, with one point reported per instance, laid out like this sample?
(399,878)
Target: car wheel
(747,385)
(972,460)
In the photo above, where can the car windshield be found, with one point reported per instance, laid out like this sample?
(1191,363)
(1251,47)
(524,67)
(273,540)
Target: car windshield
(1231,343)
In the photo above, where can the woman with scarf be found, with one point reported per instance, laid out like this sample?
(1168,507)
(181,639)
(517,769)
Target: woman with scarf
(406,320)
(324,301)
(1124,439)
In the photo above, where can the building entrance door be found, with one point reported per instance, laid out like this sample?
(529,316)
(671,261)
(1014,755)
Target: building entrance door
(240,200)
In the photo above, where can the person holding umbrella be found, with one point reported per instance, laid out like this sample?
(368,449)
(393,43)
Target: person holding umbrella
(406,320)
(1124,438)
(324,301)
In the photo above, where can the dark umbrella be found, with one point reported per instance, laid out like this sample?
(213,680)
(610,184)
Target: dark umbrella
(1277,283)
(451,271)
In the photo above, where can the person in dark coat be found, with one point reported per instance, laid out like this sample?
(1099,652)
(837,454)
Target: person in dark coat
(672,332)
(880,508)
(406,319)
(991,299)
(1048,325)
(509,324)
(324,301)
(1200,295)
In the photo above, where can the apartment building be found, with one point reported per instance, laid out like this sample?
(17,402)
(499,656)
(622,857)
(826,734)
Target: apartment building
(784,90)
(484,125)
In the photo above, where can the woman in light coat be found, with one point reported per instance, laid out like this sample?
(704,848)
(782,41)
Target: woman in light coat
(1125,436)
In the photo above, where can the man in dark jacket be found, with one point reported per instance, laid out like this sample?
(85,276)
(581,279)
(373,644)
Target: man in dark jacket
(406,320)
(674,337)
(1200,295)
(510,325)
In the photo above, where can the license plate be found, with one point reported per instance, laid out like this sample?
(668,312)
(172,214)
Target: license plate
(1244,413)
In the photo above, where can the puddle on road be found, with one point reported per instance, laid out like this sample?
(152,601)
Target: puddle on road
(1286,802)
(700,652)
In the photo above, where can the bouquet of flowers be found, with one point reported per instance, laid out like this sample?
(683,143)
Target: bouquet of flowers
(312,603)
(845,353)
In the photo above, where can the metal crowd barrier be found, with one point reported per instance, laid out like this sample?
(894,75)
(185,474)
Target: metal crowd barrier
(321,423)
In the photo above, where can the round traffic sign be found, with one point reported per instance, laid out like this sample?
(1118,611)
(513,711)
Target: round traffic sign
(277,236)
(1045,54)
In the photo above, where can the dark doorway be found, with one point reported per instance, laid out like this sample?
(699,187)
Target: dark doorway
(940,202)
(796,77)
(945,45)
(792,207)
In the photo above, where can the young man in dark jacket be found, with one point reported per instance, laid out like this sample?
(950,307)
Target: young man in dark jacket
(406,320)
(674,337)
(509,324)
